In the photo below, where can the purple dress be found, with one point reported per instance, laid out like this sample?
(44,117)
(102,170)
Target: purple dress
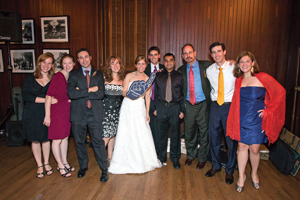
(60,125)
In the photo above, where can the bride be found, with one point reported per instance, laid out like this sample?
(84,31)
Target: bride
(134,150)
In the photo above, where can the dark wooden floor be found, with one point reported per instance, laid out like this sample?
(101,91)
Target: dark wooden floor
(18,168)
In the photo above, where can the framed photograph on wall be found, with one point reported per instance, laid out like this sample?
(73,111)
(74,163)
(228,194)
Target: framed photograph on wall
(23,60)
(1,61)
(58,54)
(28,31)
(55,29)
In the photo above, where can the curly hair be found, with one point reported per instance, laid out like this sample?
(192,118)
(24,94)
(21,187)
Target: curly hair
(107,72)
(42,58)
(236,70)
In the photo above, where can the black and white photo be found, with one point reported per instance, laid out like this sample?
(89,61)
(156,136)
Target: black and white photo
(1,62)
(28,31)
(54,29)
(23,60)
(58,54)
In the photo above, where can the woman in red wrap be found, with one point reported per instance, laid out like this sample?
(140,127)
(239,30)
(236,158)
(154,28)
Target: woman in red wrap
(256,116)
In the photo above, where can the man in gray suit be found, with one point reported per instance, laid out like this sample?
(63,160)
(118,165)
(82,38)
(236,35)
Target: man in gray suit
(197,103)
(86,91)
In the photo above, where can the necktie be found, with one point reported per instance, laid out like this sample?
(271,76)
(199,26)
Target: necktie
(88,103)
(192,95)
(168,89)
(220,99)
(153,85)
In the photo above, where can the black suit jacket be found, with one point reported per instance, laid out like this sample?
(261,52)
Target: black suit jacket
(203,65)
(80,97)
(148,69)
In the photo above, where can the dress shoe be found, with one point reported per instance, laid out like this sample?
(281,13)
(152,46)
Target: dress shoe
(104,176)
(176,165)
(200,165)
(255,185)
(212,172)
(81,172)
(238,188)
(229,178)
(188,162)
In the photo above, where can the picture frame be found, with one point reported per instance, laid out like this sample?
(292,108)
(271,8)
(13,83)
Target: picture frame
(1,61)
(28,31)
(55,29)
(58,54)
(23,60)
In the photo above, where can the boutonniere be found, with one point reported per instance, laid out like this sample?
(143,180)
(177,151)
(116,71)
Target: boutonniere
(204,74)
(94,73)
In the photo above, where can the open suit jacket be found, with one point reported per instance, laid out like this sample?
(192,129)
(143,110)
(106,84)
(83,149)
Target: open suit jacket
(79,97)
(203,65)
(148,69)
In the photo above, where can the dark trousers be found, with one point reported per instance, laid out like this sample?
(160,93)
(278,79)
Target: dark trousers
(217,122)
(169,116)
(196,117)
(95,128)
(153,127)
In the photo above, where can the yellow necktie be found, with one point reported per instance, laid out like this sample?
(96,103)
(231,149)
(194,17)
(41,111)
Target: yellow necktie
(220,99)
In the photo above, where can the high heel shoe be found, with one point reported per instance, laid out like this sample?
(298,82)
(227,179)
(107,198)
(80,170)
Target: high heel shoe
(66,172)
(255,185)
(38,174)
(49,171)
(70,168)
(240,189)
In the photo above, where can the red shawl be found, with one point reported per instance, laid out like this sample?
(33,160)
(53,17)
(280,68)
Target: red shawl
(274,113)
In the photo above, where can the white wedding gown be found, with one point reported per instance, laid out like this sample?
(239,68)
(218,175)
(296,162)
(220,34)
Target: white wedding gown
(134,150)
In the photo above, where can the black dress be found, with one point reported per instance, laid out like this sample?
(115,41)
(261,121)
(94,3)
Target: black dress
(111,107)
(34,113)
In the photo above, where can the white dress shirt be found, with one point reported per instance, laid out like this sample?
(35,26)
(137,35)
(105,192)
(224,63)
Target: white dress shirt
(229,80)
(152,67)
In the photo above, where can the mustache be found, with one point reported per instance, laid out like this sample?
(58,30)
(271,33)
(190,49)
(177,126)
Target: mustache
(189,57)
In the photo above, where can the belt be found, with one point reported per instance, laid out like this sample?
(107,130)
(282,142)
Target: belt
(197,102)
(169,104)
(225,103)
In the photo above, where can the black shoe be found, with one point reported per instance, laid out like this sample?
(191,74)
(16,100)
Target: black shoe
(104,176)
(212,172)
(176,165)
(81,172)
(229,178)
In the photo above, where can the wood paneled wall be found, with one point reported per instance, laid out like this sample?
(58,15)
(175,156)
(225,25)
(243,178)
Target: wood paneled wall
(253,25)
(116,27)
(293,61)
(125,29)
(267,28)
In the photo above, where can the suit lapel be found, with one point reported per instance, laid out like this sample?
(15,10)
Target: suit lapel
(93,77)
(203,77)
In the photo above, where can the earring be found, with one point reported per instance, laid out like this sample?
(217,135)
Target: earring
(252,70)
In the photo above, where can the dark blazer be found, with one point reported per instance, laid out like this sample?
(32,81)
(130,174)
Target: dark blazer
(80,97)
(203,65)
(148,69)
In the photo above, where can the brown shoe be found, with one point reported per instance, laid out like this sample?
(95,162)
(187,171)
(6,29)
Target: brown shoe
(229,178)
(200,165)
(188,162)
(212,172)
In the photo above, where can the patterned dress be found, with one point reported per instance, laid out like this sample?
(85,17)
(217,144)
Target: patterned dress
(111,106)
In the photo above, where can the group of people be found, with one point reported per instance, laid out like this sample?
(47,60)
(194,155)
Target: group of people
(230,98)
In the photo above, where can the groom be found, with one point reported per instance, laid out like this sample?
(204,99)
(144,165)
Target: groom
(86,91)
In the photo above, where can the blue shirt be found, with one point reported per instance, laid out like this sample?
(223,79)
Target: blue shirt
(84,69)
(197,81)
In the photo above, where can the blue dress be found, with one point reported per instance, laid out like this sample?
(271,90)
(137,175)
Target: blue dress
(251,100)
